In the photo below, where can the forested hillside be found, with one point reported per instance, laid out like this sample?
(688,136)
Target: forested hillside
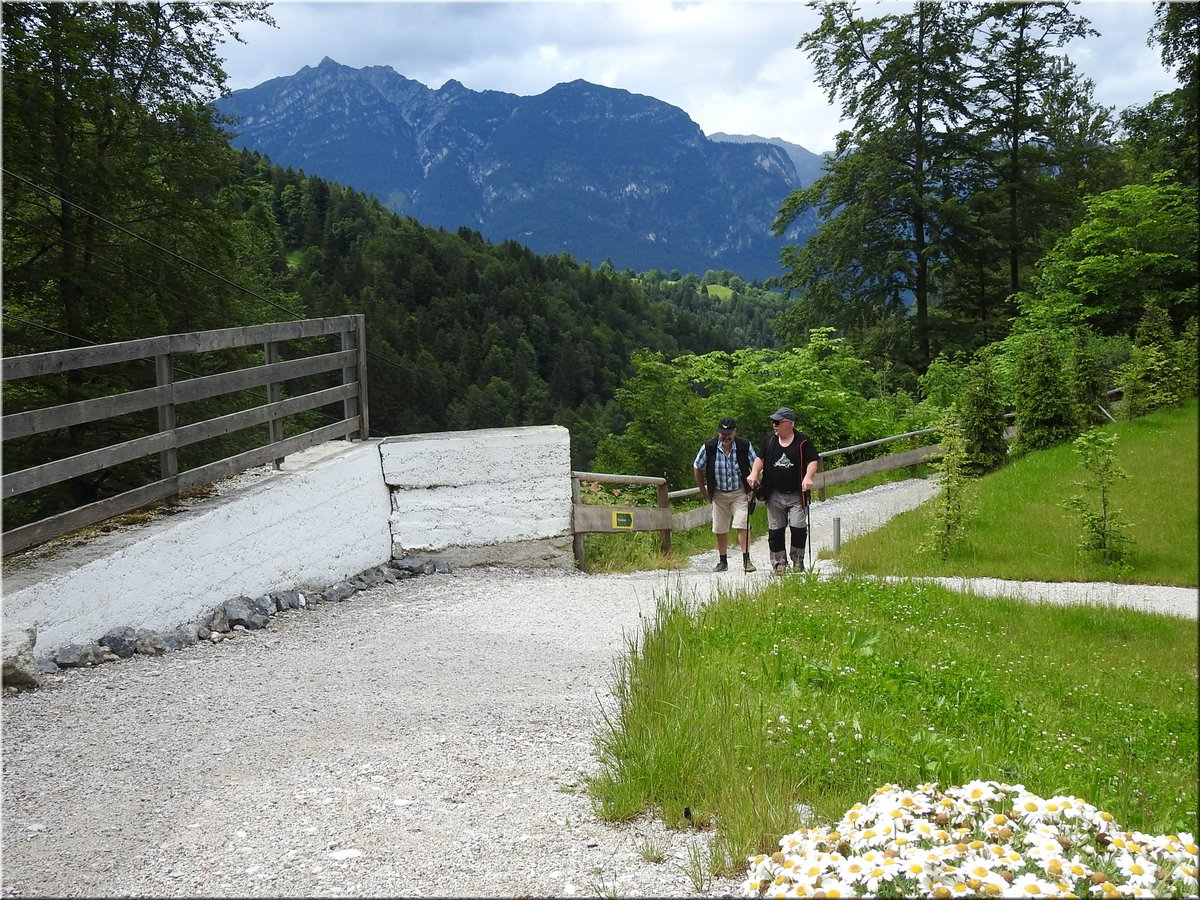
(1050,262)
(469,334)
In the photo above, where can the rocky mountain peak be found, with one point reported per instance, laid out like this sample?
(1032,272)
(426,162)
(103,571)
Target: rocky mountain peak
(594,171)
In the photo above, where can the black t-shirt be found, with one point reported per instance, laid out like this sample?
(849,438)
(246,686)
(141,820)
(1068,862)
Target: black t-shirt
(784,467)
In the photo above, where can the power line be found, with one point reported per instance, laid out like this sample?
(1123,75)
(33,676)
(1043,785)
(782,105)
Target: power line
(295,316)
(159,247)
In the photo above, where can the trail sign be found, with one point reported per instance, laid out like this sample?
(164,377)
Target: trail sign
(622,520)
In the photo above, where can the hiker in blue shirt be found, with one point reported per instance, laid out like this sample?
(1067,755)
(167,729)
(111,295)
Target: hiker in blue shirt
(720,469)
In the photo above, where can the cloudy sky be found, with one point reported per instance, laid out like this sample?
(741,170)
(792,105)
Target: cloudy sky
(731,66)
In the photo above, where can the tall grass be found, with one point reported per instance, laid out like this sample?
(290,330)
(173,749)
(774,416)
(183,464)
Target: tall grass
(1021,531)
(817,692)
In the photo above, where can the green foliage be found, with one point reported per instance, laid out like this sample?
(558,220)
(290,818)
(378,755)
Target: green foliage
(661,409)
(1164,134)
(1104,532)
(1187,358)
(1154,328)
(971,141)
(980,416)
(944,380)
(1091,379)
(673,406)
(1148,381)
(115,176)
(952,506)
(1136,242)
(1046,411)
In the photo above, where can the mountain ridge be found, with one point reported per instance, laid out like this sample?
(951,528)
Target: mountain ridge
(596,172)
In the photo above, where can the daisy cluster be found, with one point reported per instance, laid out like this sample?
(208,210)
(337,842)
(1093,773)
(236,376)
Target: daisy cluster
(983,839)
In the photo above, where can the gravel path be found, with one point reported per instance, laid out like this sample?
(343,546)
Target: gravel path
(429,738)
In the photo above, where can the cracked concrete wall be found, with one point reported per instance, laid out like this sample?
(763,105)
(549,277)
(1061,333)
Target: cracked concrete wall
(492,496)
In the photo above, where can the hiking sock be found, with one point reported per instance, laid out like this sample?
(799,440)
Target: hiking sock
(724,558)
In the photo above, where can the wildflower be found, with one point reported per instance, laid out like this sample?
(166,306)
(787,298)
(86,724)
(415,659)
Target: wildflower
(854,869)
(1030,809)
(977,792)
(1138,871)
(876,876)
(833,887)
(1185,874)
(1029,885)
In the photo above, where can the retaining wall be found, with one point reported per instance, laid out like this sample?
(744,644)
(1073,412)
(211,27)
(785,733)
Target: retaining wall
(474,497)
(499,495)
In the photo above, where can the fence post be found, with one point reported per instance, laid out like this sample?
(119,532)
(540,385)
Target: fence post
(274,395)
(664,502)
(350,405)
(577,537)
(164,376)
(356,406)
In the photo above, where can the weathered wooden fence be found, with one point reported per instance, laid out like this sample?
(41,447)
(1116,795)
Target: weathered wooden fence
(167,394)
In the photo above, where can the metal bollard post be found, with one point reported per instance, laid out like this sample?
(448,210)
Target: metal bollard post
(837,533)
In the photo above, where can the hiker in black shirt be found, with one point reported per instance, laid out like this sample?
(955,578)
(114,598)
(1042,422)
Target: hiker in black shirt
(785,469)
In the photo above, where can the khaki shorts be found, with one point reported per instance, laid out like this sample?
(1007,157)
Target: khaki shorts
(729,509)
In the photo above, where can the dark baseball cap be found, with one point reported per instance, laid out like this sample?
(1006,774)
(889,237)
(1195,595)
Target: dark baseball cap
(784,412)
(727,424)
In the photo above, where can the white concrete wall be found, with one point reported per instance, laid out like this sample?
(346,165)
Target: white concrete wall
(318,520)
(496,495)
(492,496)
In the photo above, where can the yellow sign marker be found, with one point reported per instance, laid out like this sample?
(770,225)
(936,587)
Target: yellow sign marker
(622,520)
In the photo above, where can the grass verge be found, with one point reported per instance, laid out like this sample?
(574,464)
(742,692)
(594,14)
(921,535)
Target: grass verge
(817,692)
(1020,530)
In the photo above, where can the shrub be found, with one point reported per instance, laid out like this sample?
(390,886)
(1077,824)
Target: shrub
(951,507)
(1103,530)
(1148,381)
(980,414)
(1046,413)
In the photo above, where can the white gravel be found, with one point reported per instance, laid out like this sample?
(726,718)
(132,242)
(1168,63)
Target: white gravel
(429,738)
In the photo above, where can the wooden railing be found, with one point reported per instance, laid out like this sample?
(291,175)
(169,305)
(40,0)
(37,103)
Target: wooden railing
(167,394)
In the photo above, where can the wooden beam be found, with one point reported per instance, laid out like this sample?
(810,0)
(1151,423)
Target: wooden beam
(875,466)
(616,519)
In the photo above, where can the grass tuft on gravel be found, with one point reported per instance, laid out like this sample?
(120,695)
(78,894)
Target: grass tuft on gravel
(817,692)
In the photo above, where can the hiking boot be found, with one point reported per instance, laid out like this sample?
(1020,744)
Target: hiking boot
(748,566)
(780,568)
(721,566)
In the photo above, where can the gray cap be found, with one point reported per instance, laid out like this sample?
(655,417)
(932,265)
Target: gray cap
(784,412)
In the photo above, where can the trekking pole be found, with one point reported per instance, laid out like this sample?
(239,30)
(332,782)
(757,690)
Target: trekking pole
(808,526)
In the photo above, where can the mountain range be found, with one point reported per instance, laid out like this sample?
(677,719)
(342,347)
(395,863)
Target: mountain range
(599,173)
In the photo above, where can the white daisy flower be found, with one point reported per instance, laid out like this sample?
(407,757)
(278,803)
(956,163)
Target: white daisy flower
(1137,869)
(1030,885)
